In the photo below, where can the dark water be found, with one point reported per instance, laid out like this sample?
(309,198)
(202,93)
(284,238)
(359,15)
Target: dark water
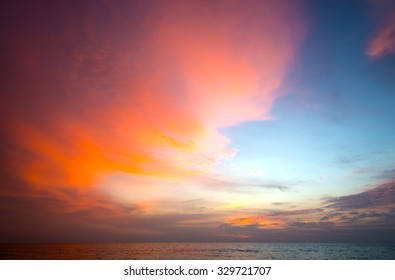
(198,251)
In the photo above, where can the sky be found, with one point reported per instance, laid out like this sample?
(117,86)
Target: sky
(197,121)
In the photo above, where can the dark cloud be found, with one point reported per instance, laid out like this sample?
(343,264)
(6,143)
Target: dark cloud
(315,232)
(330,215)
(367,216)
(316,225)
(386,174)
(381,196)
(295,212)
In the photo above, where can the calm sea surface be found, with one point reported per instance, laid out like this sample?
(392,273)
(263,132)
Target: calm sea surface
(199,251)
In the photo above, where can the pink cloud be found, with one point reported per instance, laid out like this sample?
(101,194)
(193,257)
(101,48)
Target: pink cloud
(383,41)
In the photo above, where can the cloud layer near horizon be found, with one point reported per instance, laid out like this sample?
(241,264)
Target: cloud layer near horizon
(371,211)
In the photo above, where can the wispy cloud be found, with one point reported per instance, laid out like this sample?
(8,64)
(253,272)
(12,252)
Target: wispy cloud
(383,195)
(383,41)
(388,174)
(237,184)
(281,203)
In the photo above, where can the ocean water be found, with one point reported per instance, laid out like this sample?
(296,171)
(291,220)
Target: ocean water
(198,251)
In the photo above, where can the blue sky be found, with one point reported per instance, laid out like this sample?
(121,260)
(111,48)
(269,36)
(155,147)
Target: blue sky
(332,129)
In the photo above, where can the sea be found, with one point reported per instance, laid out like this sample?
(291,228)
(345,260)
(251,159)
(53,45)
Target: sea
(198,251)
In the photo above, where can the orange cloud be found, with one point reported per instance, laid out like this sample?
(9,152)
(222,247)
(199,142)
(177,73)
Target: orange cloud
(147,96)
(262,221)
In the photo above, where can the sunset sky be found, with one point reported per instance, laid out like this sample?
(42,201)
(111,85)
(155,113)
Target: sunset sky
(131,121)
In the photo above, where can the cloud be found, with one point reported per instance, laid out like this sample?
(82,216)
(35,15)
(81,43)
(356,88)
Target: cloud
(281,203)
(261,221)
(100,88)
(337,219)
(388,174)
(272,219)
(237,184)
(383,41)
(75,215)
(381,196)
(296,212)
(349,160)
